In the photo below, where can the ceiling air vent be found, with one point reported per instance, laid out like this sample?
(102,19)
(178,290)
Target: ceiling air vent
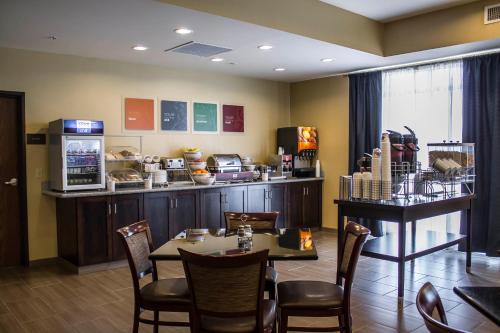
(198,49)
(492,14)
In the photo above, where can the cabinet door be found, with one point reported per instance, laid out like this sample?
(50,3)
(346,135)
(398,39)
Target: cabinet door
(93,220)
(157,212)
(296,198)
(257,199)
(184,212)
(211,208)
(312,205)
(278,202)
(127,209)
(235,199)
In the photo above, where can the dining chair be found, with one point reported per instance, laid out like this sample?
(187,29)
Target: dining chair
(431,309)
(227,293)
(170,295)
(324,299)
(265,221)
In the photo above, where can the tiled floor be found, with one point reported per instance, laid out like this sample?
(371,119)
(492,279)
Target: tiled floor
(49,299)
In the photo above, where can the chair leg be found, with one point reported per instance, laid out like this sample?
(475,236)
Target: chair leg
(137,312)
(282,321)
(348,322)
(341,323)
(156,319)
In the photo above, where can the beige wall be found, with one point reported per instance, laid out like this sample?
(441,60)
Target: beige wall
(324,103)
(73,87)
(447,27)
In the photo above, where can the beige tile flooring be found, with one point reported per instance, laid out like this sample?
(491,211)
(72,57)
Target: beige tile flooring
(50,299)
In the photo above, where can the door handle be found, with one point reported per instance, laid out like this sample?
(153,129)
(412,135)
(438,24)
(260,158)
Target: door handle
(270,194)
(307,190)
(116,209)
(109,209)
(304,191)
(176,203)
(12,182)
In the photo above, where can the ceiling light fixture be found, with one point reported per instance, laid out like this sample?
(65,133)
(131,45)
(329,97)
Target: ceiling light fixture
(183,31)
(327,59)
(140,48)
(265,47)
(216,59)
(280,69)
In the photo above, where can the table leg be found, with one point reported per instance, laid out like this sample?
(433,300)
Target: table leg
(468,219)
(401,258)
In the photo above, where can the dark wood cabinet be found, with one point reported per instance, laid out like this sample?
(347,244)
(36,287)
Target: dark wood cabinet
(184,212)
(93,216)
(157,213)
(312,205)
(211,208)
(305,201)
(86,226)
(257,198)
(277,202)
(126,209)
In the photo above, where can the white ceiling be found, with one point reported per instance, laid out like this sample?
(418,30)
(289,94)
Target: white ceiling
(388,10)
(108,29)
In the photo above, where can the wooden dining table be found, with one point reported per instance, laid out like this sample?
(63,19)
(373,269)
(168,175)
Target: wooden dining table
(484,299)
(218,242)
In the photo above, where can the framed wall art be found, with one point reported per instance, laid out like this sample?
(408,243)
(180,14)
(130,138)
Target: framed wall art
(174,116)
(233,118)
(205,117)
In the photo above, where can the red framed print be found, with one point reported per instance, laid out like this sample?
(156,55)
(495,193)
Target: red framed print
(139,114)
(233,118)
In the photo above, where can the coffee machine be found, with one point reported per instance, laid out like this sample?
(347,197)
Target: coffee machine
(302,143)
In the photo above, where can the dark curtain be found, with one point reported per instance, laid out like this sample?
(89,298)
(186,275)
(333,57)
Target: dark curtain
(365,125)
(481,125)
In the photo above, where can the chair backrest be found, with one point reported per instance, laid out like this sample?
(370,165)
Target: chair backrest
(229,286)
(354,238)
(258,221)
(136,239)
(431,308)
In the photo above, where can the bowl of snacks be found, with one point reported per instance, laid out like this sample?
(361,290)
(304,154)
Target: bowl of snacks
(197,165)
(193,154)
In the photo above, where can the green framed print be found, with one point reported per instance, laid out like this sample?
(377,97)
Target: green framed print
(205,117)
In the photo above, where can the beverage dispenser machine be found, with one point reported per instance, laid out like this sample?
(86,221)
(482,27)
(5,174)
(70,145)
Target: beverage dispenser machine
(302,143)
(76,152)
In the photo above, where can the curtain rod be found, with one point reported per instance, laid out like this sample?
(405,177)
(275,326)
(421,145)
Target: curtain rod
(418,63)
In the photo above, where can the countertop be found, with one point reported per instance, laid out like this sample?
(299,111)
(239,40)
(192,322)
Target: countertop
(171,187)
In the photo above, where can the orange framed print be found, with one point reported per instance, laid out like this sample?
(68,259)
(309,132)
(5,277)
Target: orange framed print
(139,114)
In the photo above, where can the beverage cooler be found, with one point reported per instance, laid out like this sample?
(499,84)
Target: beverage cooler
(76,154)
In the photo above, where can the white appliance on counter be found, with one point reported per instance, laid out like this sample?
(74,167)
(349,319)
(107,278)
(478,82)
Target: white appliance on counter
(76,154)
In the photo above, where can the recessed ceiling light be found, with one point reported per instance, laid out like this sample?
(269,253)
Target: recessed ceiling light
(217,59)
(279,69)
(265,47)
(183,31)
(139,48)
(327,59)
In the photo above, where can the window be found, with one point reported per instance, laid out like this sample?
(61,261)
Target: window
(428,99)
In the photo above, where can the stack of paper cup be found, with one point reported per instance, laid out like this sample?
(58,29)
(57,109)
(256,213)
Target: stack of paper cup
(367,185)
(386,168)
(376,173)
(357,185)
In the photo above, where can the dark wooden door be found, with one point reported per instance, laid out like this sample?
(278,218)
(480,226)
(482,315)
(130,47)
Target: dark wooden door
(93,220)
(235,199)
(295,203)
(184,213)
(211,202)
(311,205)
(13,243)
(127,209)
(257,199)
(278,202)
(157,207)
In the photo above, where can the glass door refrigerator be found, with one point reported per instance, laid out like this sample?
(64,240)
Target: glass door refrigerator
(76,152)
